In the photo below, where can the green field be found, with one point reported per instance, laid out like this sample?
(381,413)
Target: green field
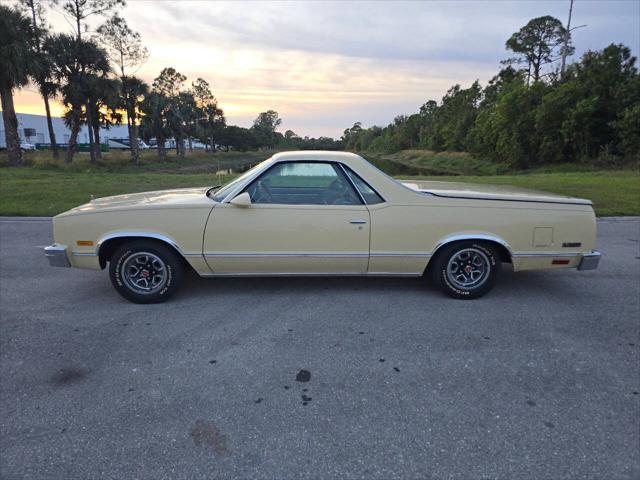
(45,189)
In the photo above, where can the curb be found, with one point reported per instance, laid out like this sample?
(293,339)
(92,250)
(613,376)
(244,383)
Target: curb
(618,219)
(25,219)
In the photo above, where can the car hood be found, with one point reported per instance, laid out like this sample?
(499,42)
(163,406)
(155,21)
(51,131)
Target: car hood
(177,198)
(491,192)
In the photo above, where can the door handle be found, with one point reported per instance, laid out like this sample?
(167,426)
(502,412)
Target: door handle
(357,221)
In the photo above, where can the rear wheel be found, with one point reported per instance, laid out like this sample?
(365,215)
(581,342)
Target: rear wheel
(466,270)
(145,271)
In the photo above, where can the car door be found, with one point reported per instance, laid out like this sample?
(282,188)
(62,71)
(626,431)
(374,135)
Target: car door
(305,217)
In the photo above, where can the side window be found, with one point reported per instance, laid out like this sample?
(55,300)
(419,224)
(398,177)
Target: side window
(303,183)
(369,194)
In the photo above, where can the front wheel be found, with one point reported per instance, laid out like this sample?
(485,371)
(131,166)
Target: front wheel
(145,271)
(466,270)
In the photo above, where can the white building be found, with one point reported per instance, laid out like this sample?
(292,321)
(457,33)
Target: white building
(33,129)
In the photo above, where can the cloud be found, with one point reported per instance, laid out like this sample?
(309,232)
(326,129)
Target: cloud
(456,30)
(325,65)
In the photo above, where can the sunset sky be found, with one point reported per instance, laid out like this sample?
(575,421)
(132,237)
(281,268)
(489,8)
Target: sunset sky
(324,66)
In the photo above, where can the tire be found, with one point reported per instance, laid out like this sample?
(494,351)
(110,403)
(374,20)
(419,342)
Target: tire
(466,270)
(144,271)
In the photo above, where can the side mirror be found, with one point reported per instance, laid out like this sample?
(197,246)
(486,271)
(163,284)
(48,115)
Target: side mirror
(243,200)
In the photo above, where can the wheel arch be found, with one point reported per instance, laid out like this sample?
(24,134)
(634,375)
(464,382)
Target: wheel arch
(108,244)
(503,248)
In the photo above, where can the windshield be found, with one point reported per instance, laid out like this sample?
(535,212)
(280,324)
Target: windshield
(219,194)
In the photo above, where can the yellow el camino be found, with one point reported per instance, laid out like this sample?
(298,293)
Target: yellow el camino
(324,213)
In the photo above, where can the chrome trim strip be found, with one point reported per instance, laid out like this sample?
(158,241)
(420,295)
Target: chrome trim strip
(394,274)
(475,236)
(57,255)
(353,185)
(545,254)
(344,169)
(358,222)
(568,201)
(285,254)
(400,254)
(83,254)
(313,274)
(131,233)
(313,254)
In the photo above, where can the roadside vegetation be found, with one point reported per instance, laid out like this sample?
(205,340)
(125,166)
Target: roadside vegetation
(426,162)
(542,121)
(45,188)
(118,161)
(533,113)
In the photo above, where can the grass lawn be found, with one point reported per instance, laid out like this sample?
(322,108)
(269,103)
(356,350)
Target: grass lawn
(45,190)
(32,192)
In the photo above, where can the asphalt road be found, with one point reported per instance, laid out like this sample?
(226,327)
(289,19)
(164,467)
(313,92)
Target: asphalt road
(538,380)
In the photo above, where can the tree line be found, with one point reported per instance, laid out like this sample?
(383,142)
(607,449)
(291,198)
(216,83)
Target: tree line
(94,75)
(537,110)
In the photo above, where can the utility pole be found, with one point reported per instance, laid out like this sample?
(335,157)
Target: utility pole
(567,36)
(567,39)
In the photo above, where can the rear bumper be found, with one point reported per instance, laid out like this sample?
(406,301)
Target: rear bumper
(590,261)
(57,255)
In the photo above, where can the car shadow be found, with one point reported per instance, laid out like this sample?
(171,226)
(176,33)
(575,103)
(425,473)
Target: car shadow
(196,284)
(531,283)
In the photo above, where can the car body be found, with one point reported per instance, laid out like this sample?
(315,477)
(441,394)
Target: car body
(125,144)
(25,146)
(326,213)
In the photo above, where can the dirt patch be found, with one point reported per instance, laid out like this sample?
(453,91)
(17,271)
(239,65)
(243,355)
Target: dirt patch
(68,376)
(207,434)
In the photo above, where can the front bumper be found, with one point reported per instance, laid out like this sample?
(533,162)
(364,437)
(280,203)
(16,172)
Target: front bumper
(590,261)
(57,255)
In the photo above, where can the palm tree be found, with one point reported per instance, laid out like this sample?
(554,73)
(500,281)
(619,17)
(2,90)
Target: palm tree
(18,63)
(127,54)
(211,119)
(77,63)
(48,89)
(186,114)
(46,85)
(104,97)
(155,108)
(213,123)
(134,90)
